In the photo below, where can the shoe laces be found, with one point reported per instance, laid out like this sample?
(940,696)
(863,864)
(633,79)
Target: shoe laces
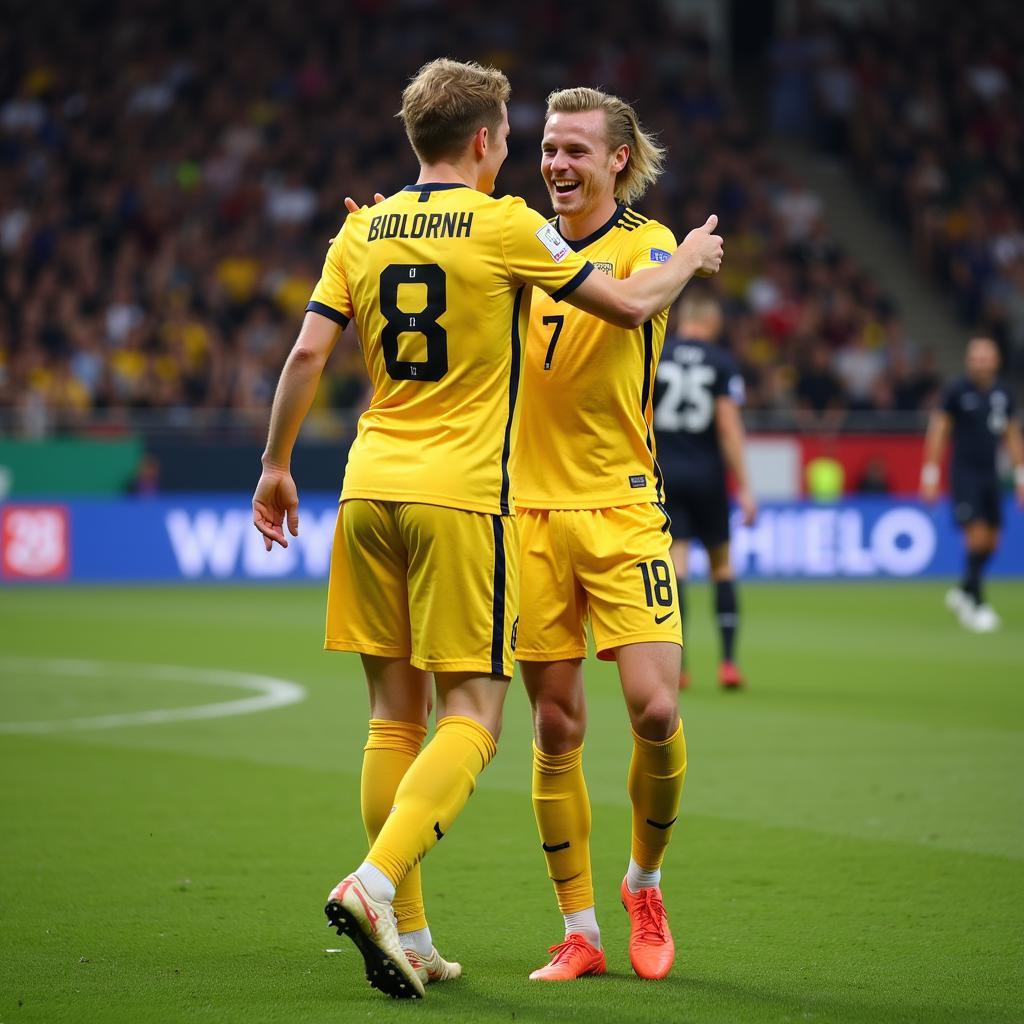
(564,950)
(651,917)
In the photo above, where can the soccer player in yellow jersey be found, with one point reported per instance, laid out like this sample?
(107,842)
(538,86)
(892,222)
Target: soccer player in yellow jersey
(594,534)
(424,569)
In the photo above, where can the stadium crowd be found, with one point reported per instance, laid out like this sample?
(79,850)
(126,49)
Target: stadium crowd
(925,100)
(170,177)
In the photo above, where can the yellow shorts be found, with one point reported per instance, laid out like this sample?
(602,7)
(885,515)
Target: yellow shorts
(608,565)
(439,586)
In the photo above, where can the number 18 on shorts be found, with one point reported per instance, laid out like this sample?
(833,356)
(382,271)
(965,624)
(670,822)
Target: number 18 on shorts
(608,566)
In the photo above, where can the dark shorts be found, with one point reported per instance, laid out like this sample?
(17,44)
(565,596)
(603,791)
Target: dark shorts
(699,508)
(977,498)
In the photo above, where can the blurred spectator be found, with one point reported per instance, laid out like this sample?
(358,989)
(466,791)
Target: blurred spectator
(146,481)
(161,227)
(818,392)
(925,99)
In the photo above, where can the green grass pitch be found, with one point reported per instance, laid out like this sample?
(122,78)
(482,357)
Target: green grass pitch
(851,846)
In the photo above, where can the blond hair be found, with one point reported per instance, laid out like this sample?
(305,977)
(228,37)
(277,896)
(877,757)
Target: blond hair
(447,102)
(646,158)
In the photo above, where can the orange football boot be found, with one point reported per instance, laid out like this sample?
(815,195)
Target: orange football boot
(651,949)
(574,958)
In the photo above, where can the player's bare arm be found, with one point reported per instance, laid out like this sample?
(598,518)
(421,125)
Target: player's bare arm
(276,497)
(633,301)
(939,427)
(1015,445)
(731,435)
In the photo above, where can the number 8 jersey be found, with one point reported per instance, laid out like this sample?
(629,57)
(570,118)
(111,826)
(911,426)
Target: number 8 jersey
(437,279)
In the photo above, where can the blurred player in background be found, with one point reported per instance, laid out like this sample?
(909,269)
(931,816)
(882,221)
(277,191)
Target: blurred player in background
(698,396)
(424,568)
(977,412)
(593,530)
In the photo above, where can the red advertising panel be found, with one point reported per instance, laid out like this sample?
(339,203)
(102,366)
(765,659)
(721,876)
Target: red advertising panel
(35,542)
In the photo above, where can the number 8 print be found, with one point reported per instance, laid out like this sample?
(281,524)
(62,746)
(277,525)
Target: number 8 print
(435,366)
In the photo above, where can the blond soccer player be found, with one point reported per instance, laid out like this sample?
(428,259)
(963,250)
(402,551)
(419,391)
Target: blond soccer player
(424,569)
(594,534)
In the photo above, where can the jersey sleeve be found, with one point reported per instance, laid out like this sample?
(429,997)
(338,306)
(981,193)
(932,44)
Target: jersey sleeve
(330,297)
(654,245)
(951,400)
(536,253)
(729,381)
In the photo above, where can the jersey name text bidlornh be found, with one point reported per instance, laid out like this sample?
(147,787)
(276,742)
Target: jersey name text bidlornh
(420,225)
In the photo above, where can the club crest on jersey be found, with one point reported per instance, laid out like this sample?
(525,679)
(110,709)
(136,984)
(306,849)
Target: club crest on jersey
(607,268)
(553,242)
(660,256)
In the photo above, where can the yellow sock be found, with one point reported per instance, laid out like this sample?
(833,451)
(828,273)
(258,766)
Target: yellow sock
(656,775)
(390,749)
(430,796)
(562,807)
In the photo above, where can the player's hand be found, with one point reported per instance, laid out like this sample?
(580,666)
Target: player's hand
(748,506)
(352,206)
(275,499)
(706,247)
(930,492)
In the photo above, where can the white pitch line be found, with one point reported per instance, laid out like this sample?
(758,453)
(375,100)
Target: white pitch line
(272,693)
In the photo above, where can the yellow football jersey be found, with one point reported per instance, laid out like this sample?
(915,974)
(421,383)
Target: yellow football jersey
(585,438)
(438,279)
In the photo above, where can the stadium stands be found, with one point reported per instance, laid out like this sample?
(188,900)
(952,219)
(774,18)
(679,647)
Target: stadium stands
(169,177)
(924,100)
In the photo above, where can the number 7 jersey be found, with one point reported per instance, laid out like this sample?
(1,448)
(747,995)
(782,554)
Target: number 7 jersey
(437,278)
(586,437)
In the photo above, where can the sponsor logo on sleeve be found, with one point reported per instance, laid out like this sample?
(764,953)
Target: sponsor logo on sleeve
(660,256)
(605,268)
(553,242)
(737,389)
(35,541)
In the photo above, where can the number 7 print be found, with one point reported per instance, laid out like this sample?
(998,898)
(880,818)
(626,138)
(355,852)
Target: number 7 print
(558,321)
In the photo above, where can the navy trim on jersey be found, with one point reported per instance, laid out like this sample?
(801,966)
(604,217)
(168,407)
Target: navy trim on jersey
(332,314)
(668,519)
(647,396)
(570,286)
(513,393)
(498,601)
(582,243)
(632,220)
(434,186)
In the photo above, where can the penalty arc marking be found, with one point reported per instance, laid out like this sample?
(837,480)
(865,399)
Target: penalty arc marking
(270,693)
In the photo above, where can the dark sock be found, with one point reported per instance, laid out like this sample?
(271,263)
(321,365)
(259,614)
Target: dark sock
(973,568)
(681,587)
(727,613)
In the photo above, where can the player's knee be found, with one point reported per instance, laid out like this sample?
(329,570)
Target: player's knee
(558,726)
(657,718)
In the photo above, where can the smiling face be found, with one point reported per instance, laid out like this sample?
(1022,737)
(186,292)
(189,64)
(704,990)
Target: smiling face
(576,163)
